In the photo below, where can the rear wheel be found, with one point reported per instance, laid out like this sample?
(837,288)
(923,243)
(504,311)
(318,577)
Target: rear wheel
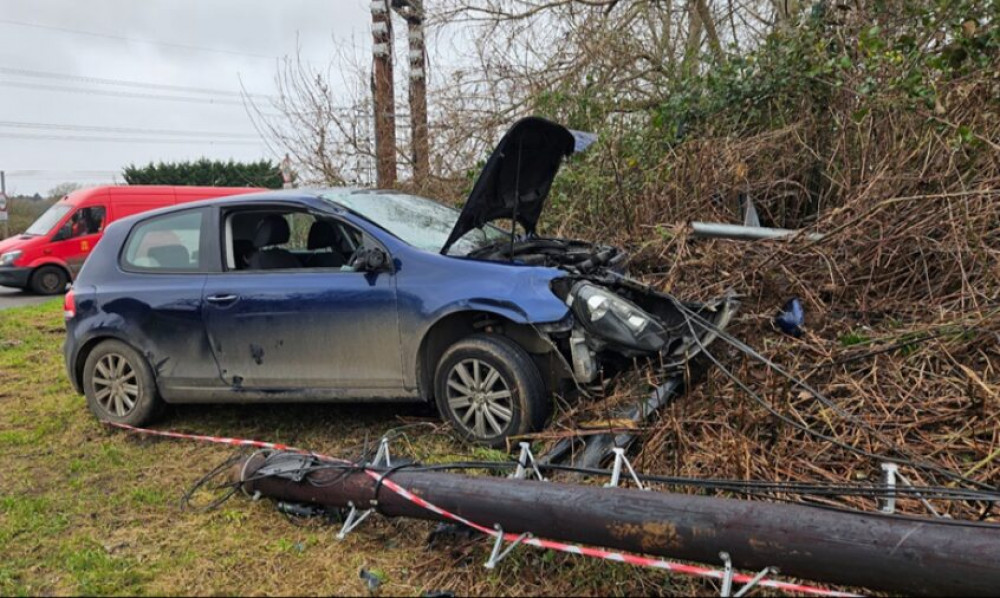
(119,384)
(48,280)
(489,389)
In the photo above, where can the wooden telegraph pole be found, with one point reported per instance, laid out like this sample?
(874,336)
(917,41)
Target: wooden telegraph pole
(413,12)
(382,92)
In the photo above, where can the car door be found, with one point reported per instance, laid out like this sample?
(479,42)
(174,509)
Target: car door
(328,329)
(73,241)
(156,300)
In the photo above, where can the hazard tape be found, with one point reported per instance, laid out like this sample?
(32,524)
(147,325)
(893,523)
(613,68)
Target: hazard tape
(619,557)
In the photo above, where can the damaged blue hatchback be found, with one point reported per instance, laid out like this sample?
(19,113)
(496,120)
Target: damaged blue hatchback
(359,295)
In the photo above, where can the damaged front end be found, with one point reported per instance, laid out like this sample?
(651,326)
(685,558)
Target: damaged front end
(616,324)
(617,320)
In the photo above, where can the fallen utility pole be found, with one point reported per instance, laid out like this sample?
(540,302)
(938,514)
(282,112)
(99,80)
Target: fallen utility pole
(894,553)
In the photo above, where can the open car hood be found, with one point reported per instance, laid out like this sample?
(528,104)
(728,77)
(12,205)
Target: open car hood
(517,177)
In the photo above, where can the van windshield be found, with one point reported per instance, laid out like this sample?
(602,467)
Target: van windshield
(48,220)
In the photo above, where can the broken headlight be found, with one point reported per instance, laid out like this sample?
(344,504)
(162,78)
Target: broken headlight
(615,320)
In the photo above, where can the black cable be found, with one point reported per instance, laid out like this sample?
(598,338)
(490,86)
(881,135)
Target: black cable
(211,475)
(906,459)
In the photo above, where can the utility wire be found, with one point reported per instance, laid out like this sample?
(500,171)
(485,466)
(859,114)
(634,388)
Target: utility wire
(109,129)
(126,83)
(137,40)
(121,94)
(188,141)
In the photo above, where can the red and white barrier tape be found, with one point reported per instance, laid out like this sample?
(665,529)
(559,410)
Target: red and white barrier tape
(621,557)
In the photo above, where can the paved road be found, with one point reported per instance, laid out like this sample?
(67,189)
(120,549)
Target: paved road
(15,297)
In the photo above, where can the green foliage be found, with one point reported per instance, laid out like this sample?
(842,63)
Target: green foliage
(839,82)
(205,172)
(854,338)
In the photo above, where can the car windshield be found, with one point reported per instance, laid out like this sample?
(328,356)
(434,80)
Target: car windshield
(47,220)
(420,222)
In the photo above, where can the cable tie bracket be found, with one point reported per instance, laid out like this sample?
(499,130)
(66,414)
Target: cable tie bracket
(728,574)
(496,555)
(354,519)
(523,460)
(616,471)
(382,456)
(891,475)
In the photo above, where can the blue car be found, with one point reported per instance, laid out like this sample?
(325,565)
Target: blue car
(359,295)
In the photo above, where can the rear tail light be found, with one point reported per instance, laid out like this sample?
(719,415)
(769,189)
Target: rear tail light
(69,305)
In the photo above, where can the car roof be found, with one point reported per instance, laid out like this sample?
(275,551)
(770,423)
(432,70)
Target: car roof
(311,195)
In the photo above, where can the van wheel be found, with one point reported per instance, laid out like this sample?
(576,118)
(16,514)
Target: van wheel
(48,280)
(119,384)
(489,389)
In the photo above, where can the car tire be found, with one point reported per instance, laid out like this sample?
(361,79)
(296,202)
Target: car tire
(119,385)
(489,389)
(48,280)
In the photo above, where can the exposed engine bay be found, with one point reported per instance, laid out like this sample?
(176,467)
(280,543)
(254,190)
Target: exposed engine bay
(576,257)
(614,319)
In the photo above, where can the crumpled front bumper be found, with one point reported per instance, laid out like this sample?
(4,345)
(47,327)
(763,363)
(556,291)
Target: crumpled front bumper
(696,325)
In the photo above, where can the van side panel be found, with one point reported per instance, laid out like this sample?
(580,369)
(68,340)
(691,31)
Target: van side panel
(186,194)
(126,201)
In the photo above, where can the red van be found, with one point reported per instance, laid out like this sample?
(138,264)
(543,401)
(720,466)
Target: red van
(50,253)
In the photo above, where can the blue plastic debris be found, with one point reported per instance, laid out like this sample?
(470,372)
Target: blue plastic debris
(791,317)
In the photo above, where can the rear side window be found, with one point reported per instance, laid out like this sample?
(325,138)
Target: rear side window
(168,243)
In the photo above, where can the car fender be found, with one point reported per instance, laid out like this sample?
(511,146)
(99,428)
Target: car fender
(47,261)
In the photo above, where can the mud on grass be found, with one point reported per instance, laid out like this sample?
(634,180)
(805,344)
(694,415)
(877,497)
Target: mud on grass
(85,510)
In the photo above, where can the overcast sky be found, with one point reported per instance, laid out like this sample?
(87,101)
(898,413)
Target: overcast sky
(82,82)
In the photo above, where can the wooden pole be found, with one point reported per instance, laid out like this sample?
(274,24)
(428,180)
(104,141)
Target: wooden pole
(885,552)
(383,95)
(420,147)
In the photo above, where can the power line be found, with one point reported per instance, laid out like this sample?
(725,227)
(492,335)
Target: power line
(120,94)
(137,40)
(131,130)
(125,139)
(43,171)
(126,83)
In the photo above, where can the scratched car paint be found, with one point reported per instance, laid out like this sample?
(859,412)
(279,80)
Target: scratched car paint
(345,294)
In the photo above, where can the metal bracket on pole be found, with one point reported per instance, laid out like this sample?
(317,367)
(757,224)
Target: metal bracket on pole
(382,456)
(891,475)
(729,573)
(353,520)
(616,471)
(355,516)
(890,469)
(496,556)
(525,459)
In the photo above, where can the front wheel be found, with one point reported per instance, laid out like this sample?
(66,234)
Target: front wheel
(488,387)
(119,384)
(48,280)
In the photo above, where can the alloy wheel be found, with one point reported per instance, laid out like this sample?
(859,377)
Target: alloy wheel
(480,398)
(116,385)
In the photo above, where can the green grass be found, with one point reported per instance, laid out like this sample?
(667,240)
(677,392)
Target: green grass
(87,510)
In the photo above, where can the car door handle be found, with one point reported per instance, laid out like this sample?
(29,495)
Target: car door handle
(220,299)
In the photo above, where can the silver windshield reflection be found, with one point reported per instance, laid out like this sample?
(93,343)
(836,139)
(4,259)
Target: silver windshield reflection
(420,222)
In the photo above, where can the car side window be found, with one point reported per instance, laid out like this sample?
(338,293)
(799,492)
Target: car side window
(287,240)
(168,243)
